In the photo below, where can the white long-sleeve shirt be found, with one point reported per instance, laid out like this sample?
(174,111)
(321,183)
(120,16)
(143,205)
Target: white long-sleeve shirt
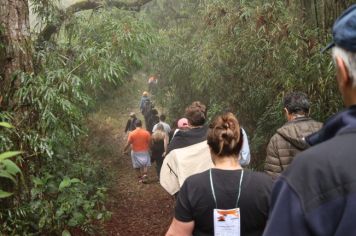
(245,155)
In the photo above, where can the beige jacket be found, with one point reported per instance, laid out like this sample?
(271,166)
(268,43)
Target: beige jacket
(288,142)
(181,163)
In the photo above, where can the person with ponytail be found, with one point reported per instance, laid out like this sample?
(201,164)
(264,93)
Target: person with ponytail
(226,199)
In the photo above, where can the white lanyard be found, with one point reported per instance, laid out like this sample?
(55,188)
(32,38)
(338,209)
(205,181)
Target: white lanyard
(212,188)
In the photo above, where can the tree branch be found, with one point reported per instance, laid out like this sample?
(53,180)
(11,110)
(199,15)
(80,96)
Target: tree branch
(52,28)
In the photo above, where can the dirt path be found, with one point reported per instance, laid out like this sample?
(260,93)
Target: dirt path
(137,209)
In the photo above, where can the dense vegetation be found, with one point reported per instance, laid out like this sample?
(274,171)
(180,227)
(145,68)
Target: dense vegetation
(63,186)
(244,57)
(237,55)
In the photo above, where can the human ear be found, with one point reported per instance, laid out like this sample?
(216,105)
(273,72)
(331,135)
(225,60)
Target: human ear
(342,72)
(285,112)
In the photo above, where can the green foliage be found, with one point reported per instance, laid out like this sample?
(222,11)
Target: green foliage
(60,202)
(64,188)
(8,169)
(107,45)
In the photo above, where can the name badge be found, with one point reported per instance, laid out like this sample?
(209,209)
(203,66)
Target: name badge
(227,222)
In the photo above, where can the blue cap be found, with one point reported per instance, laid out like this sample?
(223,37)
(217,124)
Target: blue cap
(344,31)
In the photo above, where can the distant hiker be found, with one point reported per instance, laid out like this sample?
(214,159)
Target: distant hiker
(152,84)
(211,202)
(289,139)
(159,143)
(188,152)
(182,125)
(152,120)
(316,196)
(144,103)
(146,107)
(130,125)
(162,119)
(139,140)
(196,115)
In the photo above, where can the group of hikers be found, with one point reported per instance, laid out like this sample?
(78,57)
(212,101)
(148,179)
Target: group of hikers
(309,184)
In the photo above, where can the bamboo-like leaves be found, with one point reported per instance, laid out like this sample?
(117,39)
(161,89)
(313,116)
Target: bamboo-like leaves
(6,125)
(9,154)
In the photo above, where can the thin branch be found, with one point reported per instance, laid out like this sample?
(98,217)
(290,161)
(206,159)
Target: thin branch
(52,28)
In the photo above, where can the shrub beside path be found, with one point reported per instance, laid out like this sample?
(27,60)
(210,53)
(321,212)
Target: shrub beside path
(137,209)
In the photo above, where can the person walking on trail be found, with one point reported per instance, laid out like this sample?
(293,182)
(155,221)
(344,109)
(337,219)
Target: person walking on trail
(188,152)
(130,125)
(162,119)
(159,144)
(182,125)
(317,194)
(152,120)
(146,108)
(145,103)
(211,202)
(152,84)
(289,139)
(139,140)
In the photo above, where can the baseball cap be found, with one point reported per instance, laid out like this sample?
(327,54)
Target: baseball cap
(344,31)
(132,114)
(182,123)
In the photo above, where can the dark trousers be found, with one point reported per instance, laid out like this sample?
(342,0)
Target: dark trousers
(159,162)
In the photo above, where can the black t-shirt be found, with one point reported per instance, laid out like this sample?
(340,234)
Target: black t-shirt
(196,203)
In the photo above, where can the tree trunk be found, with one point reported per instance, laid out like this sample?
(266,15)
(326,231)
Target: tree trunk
(15,46)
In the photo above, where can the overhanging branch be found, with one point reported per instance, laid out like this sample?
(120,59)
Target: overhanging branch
(52,28)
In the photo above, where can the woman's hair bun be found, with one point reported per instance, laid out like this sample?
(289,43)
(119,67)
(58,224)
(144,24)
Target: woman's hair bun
(224,135)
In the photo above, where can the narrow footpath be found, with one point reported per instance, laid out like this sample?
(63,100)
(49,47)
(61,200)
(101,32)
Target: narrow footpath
(137,209)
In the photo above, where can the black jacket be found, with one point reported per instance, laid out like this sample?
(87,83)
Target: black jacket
(187,138)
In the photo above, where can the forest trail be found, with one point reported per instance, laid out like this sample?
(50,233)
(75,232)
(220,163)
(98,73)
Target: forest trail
(137,209)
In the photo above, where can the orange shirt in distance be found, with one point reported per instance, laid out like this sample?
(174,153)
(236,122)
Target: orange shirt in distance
(140,140)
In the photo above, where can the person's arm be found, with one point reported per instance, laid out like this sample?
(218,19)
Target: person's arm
(169,174)
(154,128)
(165,142)
(179,228)
(127,145)
(141,104)
(128,124)
(273,165)
(245,150)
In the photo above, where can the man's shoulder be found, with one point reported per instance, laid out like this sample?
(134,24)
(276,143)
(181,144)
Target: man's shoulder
(164,123)
(311,123)
(275,139)
(326,155)
(318,172)
(338,146)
